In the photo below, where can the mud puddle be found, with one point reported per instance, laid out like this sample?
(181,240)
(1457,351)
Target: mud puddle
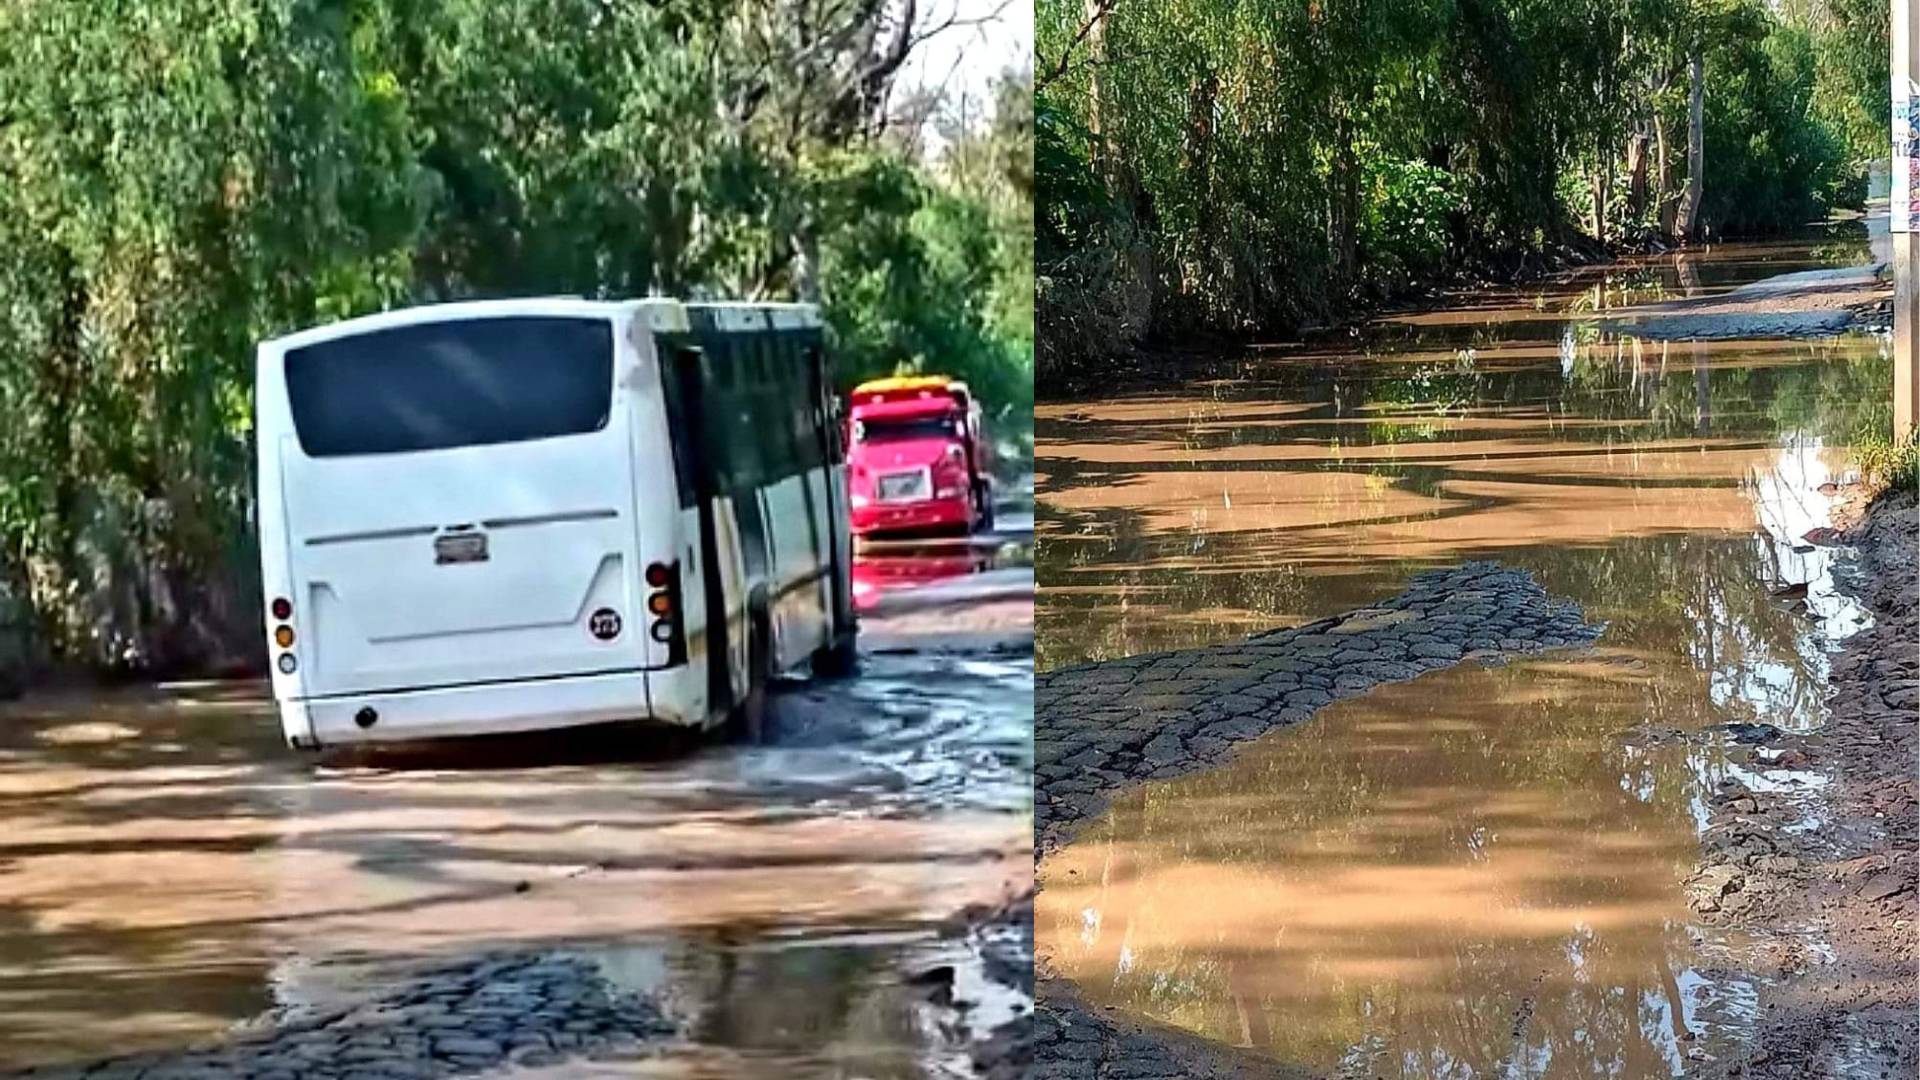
(1476,873)
(170,874)
(1480,872)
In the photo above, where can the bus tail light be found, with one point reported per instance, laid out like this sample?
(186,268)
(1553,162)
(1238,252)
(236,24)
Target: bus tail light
(283,635)
(663,603)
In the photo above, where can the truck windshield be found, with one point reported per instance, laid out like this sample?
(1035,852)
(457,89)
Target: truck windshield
(468,382)
(925,427)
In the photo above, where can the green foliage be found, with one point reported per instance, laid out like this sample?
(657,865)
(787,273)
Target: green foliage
(1410,211)
(187,177)
(1768,168)
(1208,166)
(1852,51)
(1076,202)
(1885,462)
(916,285)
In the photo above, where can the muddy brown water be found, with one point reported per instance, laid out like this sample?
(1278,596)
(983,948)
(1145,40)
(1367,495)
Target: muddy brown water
(1470,872)
(169,870)
(1478,873)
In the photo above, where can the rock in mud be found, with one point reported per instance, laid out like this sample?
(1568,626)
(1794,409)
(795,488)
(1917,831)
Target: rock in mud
(1788,759)
(1882,887)
(1102,726)
(1709,887)
(1751,734)
(446,1022)
(999,939)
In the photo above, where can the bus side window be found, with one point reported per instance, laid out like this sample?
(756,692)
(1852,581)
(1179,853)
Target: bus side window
(753,355)
(791,401)
(770,420)
(722,423)
(803,411)
(736,427)
(675,363)
(825,401)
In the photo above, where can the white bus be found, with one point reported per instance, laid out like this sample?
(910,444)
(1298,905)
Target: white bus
(523,514)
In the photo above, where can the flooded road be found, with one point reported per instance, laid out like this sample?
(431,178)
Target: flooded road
(1292,482)
(1471,874)
(898,575)
(170,871)
(1479,872)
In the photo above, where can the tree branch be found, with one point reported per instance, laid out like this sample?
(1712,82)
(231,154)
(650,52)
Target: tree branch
(1060,66)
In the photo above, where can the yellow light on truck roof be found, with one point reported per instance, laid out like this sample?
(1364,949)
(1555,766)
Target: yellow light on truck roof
(898,383)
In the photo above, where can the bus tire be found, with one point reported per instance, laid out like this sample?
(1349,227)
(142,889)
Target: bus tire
(750,713)
(839,658)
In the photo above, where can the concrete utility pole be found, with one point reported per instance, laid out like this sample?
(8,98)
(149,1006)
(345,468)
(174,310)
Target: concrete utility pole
(1905,189)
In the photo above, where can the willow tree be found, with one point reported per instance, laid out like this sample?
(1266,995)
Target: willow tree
(187,177)
(1247,169)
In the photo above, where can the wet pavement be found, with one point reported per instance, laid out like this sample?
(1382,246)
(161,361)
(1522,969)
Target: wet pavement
(1481,872)
(1101,728)
(899,575)
(172,876)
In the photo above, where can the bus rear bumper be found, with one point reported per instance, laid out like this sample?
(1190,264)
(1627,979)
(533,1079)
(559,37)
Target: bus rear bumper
(457,711)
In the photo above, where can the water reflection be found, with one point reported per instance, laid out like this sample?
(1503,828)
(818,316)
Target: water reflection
(876,576)
(898,573)
(752,1001)
(1291,489)
(1476,873)
(1469,875)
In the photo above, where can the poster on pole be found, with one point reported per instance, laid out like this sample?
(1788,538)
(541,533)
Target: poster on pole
(1904,200)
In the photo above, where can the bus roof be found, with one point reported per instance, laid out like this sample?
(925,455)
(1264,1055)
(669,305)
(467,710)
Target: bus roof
(660,313)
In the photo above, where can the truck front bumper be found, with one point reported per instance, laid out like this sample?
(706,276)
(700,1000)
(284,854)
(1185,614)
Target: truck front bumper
(879,517)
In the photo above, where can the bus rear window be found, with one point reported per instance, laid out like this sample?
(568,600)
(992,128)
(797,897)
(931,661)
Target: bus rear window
(436,385)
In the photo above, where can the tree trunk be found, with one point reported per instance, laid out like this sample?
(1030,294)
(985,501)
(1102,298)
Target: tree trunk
(54,592)
(1662,176)
(1689,216)
(1345,231)
(1095,12)
(1199,145)
(1603,160)
(1602,194)
(1702,391)
(1676,1002)
(806,265)
(1255,1032)
(1687,273)
(1636,174)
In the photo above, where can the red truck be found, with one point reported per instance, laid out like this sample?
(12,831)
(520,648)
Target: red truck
(917,459)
